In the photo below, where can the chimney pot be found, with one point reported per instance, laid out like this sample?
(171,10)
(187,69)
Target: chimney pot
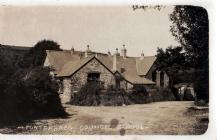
(142,55)
(88,48)
(72,50)
(88,51)
(109,53)
(124,52)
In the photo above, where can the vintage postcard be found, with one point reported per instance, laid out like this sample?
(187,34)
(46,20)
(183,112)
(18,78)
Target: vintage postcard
(104,70)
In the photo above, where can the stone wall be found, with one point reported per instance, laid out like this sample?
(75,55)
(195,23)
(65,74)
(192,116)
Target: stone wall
(66,94)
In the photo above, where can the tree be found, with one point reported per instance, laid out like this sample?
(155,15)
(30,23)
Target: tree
(29,91)
(36,55)
(172,60)
(37,92)
(191,30)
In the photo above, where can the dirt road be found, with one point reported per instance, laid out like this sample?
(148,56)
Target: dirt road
(154,118)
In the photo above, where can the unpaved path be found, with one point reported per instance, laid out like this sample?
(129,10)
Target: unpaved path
(153,118)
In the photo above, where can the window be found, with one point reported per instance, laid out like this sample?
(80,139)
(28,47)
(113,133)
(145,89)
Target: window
(93,77)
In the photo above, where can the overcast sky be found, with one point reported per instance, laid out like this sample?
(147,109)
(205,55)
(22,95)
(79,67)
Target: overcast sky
(103,28)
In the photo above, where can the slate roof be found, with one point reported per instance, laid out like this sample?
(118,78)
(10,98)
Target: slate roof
(58,59)
(128,68)
(131,68)
(144,65)
(72,66)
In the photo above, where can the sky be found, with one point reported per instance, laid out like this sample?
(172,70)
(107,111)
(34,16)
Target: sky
(103,28)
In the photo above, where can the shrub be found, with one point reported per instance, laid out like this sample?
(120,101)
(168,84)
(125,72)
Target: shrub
(115,98)
(91,95)
(30,94)
(161,95)
(138,95)
(201,103)
(188,95)
(38,90)
(88,95)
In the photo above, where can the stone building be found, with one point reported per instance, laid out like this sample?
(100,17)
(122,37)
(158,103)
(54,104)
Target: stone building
(76,68)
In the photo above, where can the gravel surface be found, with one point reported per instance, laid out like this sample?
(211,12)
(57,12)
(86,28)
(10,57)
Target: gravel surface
(167,118)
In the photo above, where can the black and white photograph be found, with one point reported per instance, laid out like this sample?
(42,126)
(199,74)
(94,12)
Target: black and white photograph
(104,70)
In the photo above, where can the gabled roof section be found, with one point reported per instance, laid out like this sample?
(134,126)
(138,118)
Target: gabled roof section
(144,65)
(66,63)
(127,68)
(106,60)
(138,80)
(134,79)
(58,59)
(72,66)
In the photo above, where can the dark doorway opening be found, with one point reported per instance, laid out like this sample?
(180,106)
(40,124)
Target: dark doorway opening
(162,79)
(93,77)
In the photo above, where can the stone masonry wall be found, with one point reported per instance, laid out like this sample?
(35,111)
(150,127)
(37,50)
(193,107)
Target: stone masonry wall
(66,95)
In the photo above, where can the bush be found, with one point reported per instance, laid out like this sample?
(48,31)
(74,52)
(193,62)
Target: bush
(88,95)
(30,94)
(161,95)
(91,95)
(115,98)
(38,90)
(138,95)
(201,103)
(188,95)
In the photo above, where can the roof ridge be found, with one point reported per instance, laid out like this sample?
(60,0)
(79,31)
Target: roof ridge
(69,51)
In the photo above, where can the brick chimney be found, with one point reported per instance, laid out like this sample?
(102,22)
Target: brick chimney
(115,55)
(96,55)
(124,52)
